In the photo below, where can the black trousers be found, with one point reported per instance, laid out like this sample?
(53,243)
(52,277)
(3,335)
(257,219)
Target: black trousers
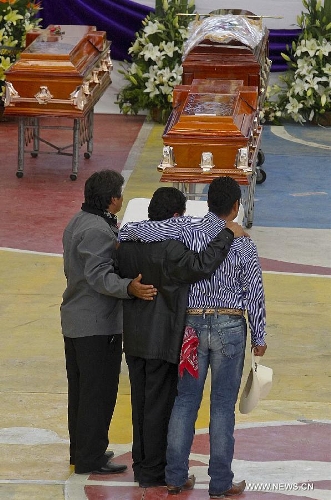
(93,366)
(153,392)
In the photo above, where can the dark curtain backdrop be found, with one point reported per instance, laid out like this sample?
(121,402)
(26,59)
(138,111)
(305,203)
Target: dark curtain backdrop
(121,19)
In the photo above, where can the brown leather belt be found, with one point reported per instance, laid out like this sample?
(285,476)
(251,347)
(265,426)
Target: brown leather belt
(216,310)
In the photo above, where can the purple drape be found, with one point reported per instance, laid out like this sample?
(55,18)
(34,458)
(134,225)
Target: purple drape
(278,42)
(121,19)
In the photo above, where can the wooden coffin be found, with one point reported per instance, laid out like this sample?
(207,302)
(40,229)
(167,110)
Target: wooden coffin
(217,117)
(62,72)
(235,60)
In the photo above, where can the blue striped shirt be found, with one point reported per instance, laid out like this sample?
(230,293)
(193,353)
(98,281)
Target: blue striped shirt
(237,283)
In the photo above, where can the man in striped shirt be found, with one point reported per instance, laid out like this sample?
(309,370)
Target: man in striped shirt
(216,312)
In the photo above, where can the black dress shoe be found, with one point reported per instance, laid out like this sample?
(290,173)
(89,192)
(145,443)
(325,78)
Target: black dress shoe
(235,490)
(109,454)
(108,468)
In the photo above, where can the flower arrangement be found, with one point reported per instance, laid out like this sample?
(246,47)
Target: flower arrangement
(156,60)
(17,17)
(304,93)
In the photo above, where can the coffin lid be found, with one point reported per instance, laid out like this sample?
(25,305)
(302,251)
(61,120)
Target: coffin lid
(76,50)
(225,106)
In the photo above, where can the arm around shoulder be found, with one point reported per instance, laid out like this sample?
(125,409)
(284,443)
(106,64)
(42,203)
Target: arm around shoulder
(190,266)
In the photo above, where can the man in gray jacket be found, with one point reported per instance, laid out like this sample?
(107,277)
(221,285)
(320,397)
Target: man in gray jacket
(92,321)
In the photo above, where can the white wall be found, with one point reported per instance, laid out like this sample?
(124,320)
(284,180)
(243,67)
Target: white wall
(288,9)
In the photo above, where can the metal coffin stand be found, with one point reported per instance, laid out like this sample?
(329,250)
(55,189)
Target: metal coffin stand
(29,133)
(60,75)
(190,180)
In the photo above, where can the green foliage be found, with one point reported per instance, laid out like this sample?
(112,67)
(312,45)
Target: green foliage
(17,17)
(316,20)
(304,92)
(156,60)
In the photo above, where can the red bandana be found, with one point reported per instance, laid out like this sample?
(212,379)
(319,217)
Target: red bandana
(189,353)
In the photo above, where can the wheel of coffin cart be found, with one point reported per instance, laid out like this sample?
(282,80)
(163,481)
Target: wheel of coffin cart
(260,158)
(260,176)
(260,173)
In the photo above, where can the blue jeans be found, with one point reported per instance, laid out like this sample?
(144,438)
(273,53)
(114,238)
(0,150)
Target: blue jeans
(222,340)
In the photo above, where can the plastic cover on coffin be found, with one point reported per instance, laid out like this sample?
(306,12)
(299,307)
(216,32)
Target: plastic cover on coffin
(224,29)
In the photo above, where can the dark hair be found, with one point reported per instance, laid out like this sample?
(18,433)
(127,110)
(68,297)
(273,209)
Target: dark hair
(101,187)
(223,192)
(165,202)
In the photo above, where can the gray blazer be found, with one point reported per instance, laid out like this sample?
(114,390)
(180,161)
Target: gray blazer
(91,304)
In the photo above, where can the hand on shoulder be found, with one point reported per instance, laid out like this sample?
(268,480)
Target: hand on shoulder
(237,229)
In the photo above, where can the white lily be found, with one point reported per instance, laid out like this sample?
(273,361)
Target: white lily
(298,87)
(293,105)
(152,28)
(164,75)
(306,65)
(312,46)
(324,49)
(151,51)
(168,48)
(152,72)
(166,89)
(151,89)
(313,81)
(300,48)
